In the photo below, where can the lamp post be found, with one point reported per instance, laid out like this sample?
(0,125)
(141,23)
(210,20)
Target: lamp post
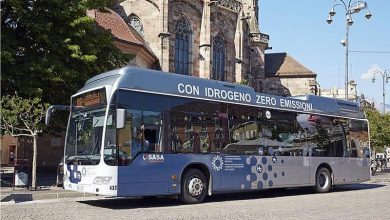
(386,77)
(351,7)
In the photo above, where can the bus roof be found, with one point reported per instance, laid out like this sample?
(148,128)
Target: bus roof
(159,82)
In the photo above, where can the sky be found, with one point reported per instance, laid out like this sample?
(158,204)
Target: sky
(299,28)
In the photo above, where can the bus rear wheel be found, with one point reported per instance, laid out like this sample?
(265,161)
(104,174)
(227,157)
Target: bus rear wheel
(323,180)
(193,187)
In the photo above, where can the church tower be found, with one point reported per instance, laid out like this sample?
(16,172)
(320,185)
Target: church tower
(258,44)
(212,39)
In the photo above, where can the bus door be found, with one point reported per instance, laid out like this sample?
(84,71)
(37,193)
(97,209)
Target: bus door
(144,170)
(146,175)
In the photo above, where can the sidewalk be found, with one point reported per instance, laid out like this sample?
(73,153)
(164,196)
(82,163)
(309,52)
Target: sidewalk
(381,177)
(23,194)
(47,189)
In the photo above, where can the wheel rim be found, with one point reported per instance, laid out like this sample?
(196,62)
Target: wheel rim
(195,186)
(323,180)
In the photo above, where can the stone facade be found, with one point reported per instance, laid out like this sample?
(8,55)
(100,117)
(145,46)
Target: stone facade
(234,21)
(190,11)
(290,86)
(287,77)
(149,14)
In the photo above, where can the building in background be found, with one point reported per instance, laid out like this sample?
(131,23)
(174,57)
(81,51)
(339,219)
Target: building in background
(286,76)
(50,149)
(126,38)
(209,39)
(339,93)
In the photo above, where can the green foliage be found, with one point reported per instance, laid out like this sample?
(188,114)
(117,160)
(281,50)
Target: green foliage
(22,117)
(243,82)
(50,48)
(379,129)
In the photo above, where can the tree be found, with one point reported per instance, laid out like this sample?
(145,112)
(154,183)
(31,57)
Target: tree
(23,117)
(50,48)
(379,129)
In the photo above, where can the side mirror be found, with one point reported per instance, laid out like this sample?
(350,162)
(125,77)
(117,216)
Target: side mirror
(53,108)
(120,118)
(49,111)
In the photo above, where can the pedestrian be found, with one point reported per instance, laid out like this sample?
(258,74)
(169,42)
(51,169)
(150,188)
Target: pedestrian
(11,158)
(139,144)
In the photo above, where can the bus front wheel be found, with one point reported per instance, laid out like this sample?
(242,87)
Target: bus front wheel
(193,187)
(323,180)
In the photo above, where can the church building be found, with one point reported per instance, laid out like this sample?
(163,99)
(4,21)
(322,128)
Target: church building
(212,39)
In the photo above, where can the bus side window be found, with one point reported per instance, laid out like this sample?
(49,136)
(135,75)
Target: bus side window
(181,133)
(194,126)
(244,127)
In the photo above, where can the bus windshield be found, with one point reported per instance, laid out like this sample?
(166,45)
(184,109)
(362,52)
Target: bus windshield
(85,130)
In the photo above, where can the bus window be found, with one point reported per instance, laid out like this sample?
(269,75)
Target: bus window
(326,136)
(182,132)
(285,134)
(141,133)
(358,138)
(195,126)
(243,124)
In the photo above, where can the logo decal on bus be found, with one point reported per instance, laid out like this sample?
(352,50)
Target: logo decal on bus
(74,174)
(259,168)
(153,157)
(217,163)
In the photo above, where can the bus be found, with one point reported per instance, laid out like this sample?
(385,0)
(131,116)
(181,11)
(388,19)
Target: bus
(136,132)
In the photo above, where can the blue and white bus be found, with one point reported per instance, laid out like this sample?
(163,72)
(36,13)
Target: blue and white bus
(139,132)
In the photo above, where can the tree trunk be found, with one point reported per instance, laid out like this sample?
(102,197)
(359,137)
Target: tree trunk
(34,163)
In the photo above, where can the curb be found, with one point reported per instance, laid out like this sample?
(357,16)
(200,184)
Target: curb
(24,197)
(379,180)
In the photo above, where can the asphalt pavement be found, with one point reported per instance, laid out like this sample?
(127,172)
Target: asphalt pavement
(47,188)
(355,201)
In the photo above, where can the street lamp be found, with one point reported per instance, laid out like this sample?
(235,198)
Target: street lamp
(351,7)
(386,76)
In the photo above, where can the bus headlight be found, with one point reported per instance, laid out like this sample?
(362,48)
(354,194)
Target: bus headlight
(102,180)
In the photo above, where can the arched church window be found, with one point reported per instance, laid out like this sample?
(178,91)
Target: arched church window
(136,23)
(219,58)
(182,47)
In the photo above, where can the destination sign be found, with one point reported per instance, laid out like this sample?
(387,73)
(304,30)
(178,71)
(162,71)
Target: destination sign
(91,99)
(243,97)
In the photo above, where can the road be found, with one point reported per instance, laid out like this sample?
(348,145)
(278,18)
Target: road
(359,201)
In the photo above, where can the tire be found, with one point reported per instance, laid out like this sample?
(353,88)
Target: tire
(193,187)
(323,180)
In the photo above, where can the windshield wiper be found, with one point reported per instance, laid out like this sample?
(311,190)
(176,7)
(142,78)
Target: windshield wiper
(90,159)
(78,157)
